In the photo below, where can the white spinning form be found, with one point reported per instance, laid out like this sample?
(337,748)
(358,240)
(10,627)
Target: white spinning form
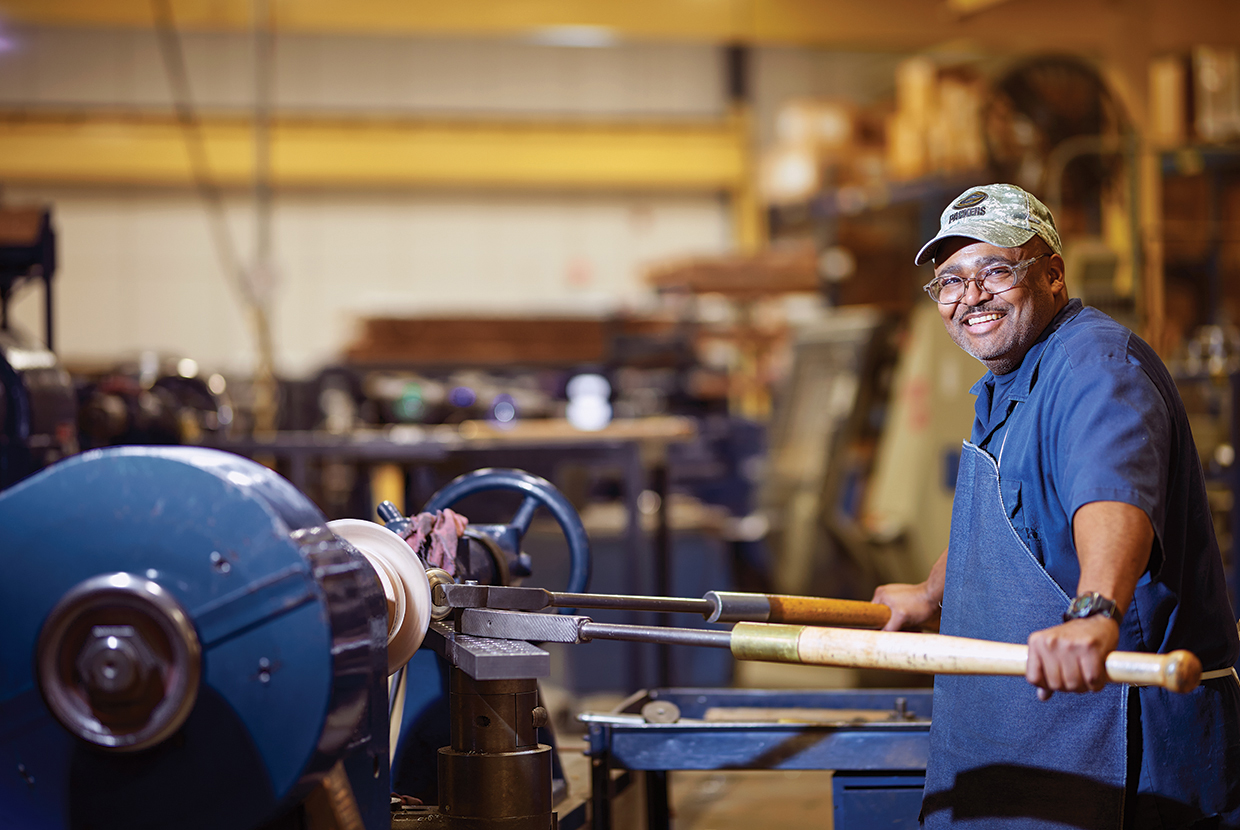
(405,586)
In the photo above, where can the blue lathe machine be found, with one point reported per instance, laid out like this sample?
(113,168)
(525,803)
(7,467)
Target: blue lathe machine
(189,644)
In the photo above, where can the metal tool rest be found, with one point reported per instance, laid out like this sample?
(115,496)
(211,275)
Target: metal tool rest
(879,766)
(502,769)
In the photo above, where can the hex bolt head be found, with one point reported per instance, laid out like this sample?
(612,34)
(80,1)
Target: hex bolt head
(115,661)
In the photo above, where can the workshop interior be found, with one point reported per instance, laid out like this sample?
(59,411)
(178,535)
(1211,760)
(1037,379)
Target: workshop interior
(460,416)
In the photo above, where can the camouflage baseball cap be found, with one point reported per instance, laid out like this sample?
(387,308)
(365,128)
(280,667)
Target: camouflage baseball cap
(1001,214)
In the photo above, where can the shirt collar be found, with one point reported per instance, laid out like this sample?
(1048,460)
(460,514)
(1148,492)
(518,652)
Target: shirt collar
(1022,385)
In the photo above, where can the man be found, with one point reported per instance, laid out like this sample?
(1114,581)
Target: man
(1079,525)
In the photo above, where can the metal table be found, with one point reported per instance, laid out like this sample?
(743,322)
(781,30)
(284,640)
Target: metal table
(879,766)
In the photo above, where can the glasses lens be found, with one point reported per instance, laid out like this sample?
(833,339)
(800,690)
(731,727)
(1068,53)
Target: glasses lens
(948,290)
(1000,277)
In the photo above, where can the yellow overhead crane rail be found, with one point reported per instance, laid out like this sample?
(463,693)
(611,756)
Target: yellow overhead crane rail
(1060,24)
(717,21)
(119,149)
(712,19)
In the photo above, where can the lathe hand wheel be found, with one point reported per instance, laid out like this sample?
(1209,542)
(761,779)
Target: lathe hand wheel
(538,493)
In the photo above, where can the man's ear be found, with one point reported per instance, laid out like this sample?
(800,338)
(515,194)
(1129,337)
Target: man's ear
(1055,274)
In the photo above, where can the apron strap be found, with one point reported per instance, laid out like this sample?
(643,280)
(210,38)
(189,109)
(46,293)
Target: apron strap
(1207,675)
(1211,675)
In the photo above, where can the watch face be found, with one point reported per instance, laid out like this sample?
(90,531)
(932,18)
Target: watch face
(1087,605)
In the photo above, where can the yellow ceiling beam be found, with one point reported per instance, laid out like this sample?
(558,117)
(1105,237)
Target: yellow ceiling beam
(116,149)
(691,19)
(1061,24)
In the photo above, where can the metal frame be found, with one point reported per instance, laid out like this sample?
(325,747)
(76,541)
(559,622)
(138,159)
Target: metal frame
(889,756)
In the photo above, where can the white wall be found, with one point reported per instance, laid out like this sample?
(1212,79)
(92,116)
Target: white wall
(138,270)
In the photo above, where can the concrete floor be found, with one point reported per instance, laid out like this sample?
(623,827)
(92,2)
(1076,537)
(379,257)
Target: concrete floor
(751,800)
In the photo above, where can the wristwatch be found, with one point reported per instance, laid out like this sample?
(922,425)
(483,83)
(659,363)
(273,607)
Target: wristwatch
(1091,604)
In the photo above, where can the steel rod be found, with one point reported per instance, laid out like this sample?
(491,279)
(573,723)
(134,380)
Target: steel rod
(631,603)
(653,634)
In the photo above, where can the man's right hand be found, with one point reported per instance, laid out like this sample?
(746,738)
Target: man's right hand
(912,606)
(915,606)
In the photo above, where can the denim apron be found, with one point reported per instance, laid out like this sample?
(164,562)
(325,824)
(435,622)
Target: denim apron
(999,757)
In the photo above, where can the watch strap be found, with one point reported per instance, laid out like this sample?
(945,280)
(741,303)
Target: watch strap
(1093,604)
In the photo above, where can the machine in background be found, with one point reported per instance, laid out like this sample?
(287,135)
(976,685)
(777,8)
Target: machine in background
(152,401)
(38,411)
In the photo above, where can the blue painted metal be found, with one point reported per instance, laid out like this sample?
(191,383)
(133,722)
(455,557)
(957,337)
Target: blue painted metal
(290,619)
(882,764)
(868,800)
(701,745)
(539,493)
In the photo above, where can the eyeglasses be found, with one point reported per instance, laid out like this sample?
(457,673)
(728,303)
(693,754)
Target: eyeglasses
(995,279)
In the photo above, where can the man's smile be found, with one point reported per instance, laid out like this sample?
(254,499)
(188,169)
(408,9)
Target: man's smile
(972,319)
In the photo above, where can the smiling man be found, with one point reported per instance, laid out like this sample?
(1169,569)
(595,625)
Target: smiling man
(1080,525)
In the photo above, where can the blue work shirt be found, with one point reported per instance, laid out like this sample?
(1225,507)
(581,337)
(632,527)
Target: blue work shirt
(1091,414)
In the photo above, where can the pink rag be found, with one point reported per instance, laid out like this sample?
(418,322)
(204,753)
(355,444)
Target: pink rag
(434,537)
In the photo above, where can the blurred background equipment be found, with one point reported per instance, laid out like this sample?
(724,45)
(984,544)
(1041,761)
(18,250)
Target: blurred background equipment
(151,401)
(37,406)
(38,409)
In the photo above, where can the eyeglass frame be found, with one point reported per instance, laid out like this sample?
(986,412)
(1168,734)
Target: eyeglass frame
(1020,269)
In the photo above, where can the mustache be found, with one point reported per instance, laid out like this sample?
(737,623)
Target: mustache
(986,308)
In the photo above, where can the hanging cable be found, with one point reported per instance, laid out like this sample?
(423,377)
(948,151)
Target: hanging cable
(196,146)
(244,281)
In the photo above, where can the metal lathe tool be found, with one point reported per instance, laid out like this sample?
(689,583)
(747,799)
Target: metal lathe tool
(715,606)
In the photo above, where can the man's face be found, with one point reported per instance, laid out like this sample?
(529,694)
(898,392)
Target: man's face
(998,329)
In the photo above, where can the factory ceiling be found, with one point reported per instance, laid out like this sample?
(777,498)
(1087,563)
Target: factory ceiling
(82,146)
(1068,24)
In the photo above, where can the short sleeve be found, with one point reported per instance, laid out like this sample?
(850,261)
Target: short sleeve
(1113,437)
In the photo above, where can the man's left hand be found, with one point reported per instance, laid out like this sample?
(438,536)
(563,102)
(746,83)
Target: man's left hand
(1071,657)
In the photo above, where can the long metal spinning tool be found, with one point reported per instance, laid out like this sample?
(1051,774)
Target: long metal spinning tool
(1179,671)
(715,606)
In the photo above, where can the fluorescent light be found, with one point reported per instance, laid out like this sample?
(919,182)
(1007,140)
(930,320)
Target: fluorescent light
(575,37)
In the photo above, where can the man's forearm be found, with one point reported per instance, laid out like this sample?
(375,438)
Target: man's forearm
(1113,544)
(937,579)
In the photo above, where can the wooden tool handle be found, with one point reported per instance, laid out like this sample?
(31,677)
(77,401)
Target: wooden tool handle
(1179,671)
(818,611)
(730,606)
